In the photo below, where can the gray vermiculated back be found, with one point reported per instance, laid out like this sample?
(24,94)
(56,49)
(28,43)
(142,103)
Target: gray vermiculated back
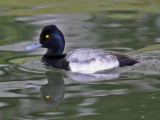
(84,54)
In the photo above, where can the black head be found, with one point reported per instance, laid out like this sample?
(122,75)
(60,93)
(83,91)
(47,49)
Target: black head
(52,39)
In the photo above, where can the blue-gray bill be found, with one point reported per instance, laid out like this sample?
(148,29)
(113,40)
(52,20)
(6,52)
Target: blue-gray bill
(33,46)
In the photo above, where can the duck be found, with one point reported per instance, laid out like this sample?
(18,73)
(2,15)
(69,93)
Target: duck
(80,60)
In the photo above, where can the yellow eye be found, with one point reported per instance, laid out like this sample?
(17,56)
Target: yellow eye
(47,97)
(47,36)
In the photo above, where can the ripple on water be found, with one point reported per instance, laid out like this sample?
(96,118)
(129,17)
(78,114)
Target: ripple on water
(149,63)
(32,66)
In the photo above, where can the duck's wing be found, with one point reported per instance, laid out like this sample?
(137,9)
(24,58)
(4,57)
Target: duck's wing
(84,54)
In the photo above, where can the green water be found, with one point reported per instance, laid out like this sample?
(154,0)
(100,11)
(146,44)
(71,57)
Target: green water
(30,90)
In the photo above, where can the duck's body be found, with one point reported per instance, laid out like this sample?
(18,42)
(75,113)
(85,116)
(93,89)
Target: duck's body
(87,60)
(84,60)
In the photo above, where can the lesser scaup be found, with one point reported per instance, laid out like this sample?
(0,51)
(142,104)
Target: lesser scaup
(83,60)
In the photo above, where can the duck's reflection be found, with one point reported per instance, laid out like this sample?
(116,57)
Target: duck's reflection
(53,92)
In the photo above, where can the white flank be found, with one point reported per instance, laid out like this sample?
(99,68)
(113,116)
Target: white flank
(93,65)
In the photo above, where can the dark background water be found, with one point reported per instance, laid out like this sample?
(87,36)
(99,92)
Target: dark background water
(30,90)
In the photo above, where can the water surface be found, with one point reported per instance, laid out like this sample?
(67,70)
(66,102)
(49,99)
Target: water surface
(30,90)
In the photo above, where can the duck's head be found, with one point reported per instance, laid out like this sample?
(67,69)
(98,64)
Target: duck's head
(52,39)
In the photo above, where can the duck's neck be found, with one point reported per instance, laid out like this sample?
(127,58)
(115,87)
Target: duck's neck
(53,52)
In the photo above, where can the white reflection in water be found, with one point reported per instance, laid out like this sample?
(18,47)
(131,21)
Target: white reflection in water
(42,6)
(2,104)
(52,113)
(1,72)
(86,111)
(88,101)
(91,77)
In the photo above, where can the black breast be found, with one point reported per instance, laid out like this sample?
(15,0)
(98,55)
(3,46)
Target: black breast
(57,61)
(124,60)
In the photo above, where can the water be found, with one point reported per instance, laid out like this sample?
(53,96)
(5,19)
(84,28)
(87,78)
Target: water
(30,90)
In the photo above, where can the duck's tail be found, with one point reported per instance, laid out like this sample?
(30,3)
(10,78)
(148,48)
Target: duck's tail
(125,60)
